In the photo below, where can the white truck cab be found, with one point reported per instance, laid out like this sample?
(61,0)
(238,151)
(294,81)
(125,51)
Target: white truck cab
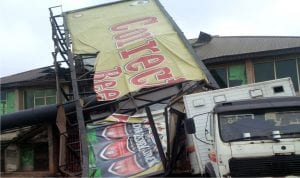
(258,137)
(250,130)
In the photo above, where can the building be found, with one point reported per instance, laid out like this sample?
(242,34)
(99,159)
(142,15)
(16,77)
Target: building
(28,148)
(28,89)
(236,60)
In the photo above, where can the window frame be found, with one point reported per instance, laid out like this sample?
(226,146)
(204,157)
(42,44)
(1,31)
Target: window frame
(260,62)
(297,75)
(44,97)
(222,67)
(4,101)
(245,72)
(273,60)
(226,66)
(35,97)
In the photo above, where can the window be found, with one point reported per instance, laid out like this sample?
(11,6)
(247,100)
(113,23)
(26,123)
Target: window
(264,71)
(237,75)
(39,97)
(2,168)
(3,102)
(44,97)
(26,156)
(259,124)
(7,102)
(229,76)
(220,75)
(287,68)
(34,152)
(41,158)
(278,69)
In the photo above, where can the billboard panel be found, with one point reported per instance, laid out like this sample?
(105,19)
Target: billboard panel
(124,146)
(137,47)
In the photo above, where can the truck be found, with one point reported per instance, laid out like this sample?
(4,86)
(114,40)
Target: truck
(248,130)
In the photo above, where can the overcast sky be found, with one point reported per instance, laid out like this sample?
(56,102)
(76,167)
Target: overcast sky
(25,31)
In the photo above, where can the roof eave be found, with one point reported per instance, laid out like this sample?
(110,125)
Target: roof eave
(48,83)
(260,54)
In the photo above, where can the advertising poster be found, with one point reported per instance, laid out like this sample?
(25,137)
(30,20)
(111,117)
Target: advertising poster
(136,44)
(124,146)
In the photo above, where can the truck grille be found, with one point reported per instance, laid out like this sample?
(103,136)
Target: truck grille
(265,166)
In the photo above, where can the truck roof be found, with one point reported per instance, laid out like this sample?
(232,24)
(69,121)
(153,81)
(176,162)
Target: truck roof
(260,103)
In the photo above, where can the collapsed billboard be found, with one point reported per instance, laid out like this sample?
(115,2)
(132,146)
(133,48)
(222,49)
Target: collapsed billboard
(124,146)
(137,46)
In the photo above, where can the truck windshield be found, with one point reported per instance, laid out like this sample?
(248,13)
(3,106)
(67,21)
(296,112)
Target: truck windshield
(255,125)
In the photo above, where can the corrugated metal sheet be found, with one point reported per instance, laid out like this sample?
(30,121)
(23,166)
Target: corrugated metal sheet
(28,75)
(237,45)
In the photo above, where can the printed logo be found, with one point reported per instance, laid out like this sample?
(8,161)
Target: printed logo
(140,2)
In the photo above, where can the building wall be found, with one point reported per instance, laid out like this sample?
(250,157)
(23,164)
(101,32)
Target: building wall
(16,99)
(35,155)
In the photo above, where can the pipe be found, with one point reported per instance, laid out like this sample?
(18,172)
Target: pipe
(38,115)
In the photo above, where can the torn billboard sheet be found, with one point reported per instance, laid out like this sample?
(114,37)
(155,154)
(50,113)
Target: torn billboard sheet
(137,46)
(124,146)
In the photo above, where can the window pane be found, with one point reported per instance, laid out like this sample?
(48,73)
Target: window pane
(3,95)
(237,75)
(39,101)
(220,75)
(264,71)
(26,156)
(39,93)
(50,92)
(29,99)
(3,107)
(41,158)
(51,100)
(10,102)
(287,68)
(3,103)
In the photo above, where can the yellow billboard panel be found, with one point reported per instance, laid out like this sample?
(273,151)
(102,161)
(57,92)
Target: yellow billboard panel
(136,44)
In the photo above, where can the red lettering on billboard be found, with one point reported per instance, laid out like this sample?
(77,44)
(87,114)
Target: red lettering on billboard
(175,80)
(125,25)
(162,73)
(129,33)
(149,45)
(107,94)
(122,43)
(105,83)
(145,61)
(110,73)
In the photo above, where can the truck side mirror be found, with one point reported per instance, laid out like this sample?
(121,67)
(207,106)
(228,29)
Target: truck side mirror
(189,126)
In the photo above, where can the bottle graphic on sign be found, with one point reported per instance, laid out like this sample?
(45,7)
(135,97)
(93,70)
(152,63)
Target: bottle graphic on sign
(127,146)
(122,130)
(136,163)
